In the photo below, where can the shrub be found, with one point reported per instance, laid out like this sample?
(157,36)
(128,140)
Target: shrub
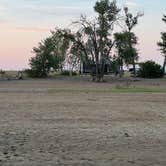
(2,72)
(150,69)
(74,73)
(68,73)
(31,73)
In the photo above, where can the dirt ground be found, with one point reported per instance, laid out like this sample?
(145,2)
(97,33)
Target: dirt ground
(48,123)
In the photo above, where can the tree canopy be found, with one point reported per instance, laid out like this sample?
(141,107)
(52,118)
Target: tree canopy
(50,54)
(91,43)
(162,44)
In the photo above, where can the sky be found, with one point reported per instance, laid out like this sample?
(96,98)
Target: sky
(23,23)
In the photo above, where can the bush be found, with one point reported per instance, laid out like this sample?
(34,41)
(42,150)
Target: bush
(150,69)
(2,72)
(31,73)
(68,73)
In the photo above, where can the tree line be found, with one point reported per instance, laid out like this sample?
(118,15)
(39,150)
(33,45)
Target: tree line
(94,42)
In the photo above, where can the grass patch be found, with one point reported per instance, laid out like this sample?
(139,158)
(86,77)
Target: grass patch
(139,90)
(113,90)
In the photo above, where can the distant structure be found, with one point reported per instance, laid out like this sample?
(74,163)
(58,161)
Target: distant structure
(91,68)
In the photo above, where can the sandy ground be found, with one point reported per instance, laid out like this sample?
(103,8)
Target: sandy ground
(40,127)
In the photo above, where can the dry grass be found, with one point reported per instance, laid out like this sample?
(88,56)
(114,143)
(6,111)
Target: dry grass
(73,122)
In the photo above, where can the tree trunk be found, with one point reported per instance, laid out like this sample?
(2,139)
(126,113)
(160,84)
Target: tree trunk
(120,71)
(97,72)
(164,65)
(102,72)
(134,69)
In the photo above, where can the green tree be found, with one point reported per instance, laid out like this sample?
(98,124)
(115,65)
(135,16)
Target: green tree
(124,49)
(162,44)
(131,21)
(61,45)
(150,69)
(50,54)
(44,58)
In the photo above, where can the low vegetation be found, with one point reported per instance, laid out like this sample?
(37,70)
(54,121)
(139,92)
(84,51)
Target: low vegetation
(150,69)
(68,73)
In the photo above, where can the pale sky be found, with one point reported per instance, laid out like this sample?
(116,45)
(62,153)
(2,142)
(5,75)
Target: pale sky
(23,23)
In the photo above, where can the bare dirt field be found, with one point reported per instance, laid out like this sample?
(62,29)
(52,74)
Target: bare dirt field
(74,122)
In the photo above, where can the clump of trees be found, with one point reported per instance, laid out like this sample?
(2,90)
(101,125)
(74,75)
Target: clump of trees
(91,43)
(150,69)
